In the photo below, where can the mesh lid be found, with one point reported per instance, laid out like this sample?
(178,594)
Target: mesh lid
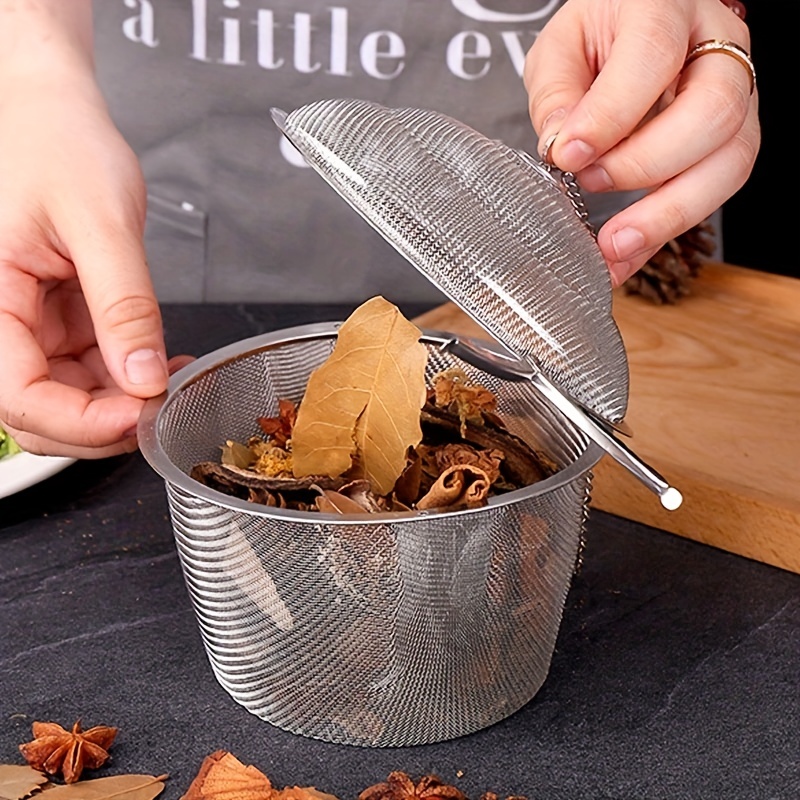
(489,226)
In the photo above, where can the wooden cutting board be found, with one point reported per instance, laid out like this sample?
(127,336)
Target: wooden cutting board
(714,406)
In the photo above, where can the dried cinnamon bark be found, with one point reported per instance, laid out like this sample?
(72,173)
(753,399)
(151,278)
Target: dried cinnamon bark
(462,486)
(521,465)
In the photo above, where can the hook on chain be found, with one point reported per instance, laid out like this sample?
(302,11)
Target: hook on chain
(570,184)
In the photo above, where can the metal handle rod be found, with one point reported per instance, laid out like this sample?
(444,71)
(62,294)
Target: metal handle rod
(669,496)
(509,368)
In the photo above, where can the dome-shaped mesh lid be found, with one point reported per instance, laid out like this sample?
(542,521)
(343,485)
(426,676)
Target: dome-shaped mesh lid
(488,225)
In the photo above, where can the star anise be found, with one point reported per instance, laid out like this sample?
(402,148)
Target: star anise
(279,429)
(399,786)
(55,749)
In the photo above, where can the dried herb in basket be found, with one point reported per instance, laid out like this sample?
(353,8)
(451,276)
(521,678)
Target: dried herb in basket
(369,436)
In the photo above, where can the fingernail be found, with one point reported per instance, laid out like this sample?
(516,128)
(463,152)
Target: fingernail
(145,367)
(627,242)
(620,272)
(550,129)
(576,154)
(131,445)
(595,179)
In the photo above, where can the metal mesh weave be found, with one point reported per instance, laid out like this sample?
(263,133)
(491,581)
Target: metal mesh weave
(401,630)
(491,228)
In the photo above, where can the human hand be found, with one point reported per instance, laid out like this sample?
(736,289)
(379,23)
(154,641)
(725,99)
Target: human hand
(607,79)
(82,343)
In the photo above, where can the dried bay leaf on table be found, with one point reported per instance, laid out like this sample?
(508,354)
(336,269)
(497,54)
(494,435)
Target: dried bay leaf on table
(17,782)
(361,408)
(116,787)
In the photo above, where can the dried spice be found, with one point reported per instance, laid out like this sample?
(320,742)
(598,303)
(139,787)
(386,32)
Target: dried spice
(369,436)
(462,486)
(223,777)
(17,782)
(521,465)
(454,392)
(55,750)
(493,796)
(279,429)
(115,787)
(445,471)
(360,410)
(399,786)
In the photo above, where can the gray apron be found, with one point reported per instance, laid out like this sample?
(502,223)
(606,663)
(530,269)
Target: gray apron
(232,215)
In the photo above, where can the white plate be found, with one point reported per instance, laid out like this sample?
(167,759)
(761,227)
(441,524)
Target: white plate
(22,470)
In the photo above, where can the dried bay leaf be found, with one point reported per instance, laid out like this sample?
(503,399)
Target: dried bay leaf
(17,782)
(116,787)
(235,454)
(363,404)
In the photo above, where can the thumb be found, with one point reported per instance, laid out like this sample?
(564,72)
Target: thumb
(592,79)
(122,303)
(557,74)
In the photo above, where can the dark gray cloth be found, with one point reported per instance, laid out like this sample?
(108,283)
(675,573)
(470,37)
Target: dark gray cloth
(232,216)
(675,675)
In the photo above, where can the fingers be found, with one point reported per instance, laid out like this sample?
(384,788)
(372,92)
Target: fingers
(39,445)
(698,122)
(630,237)
(37,403)
(111,423)
(556,76)
(613,74)
(627,56)
(65,407)
(178,362)
(609,82)
(120,297)
(712,101)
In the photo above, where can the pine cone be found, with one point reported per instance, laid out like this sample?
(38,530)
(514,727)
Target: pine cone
(668,275)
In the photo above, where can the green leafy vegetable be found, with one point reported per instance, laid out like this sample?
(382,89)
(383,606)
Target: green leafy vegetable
(8,447)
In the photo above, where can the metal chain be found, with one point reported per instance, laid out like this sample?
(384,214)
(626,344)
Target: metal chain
(568,181)
(573,192)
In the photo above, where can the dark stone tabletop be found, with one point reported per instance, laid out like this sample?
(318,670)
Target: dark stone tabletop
(676,672)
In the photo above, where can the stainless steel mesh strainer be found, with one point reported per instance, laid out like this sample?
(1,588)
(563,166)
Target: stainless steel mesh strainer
(400,629)
(396,629)
(494,231)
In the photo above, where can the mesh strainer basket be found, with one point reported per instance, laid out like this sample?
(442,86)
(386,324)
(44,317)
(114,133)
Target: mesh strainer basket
(381,630)
(401,629)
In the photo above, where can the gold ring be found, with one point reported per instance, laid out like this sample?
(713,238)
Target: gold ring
(729,49)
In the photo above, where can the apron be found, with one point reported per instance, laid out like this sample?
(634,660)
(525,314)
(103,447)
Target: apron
(233,213)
